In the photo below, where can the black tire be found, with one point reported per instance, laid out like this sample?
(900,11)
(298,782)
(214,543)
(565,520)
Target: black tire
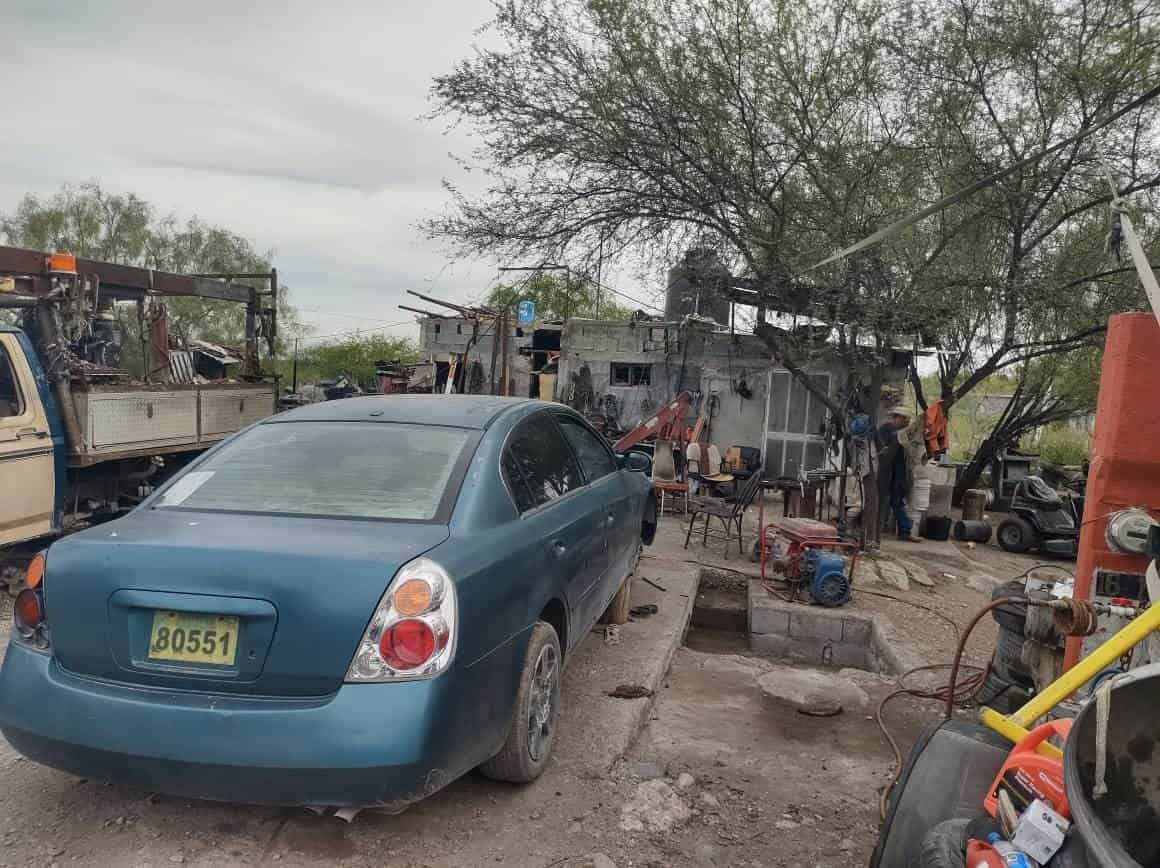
(945,846)
(1013,616)
(525,754)
(1015,535)
(993,692)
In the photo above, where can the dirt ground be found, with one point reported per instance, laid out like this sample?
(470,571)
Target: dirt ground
(723,773)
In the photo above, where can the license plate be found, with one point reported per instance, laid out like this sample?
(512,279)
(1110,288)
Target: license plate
(185,637)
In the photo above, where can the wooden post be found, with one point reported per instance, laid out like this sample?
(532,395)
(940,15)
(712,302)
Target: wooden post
(505,384)
(491,384)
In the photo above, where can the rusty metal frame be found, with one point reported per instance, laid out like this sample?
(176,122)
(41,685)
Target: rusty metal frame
(133,283)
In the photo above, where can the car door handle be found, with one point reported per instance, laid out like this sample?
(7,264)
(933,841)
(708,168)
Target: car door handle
(30,432)
(611,519)
(559,549)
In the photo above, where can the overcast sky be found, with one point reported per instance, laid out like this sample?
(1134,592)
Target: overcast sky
(295,124)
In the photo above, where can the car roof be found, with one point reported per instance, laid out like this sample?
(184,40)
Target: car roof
(462,411)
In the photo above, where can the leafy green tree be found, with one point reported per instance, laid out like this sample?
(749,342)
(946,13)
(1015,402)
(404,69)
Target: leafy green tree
(558,297)
(1021,270)
(776,132)
(88,221)
(354,357)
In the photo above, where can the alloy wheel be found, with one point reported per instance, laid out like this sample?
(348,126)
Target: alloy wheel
(542,701)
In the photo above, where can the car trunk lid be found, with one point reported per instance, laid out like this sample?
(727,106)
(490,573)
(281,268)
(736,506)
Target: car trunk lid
(259,604)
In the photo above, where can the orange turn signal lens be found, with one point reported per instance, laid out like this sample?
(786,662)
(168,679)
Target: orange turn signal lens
(35,571)
(413,597)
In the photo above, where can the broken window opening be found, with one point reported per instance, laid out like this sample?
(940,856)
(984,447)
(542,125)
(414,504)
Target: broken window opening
(630,375)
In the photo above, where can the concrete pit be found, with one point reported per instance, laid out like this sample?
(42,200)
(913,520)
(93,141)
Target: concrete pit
(734,614)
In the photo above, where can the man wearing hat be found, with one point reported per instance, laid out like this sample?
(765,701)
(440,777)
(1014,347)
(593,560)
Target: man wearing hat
(895,465)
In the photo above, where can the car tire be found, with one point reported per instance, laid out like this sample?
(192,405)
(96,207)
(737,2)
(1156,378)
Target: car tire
(1015,535)
(528,747)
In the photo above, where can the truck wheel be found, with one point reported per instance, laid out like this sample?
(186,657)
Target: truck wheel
(533,731)
(1015,535)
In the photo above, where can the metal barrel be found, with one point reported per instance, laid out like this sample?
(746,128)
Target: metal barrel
(972,531)
(974,504)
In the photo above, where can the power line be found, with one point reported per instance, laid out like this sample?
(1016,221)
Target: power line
(370,328)
(325,312)
(897,226)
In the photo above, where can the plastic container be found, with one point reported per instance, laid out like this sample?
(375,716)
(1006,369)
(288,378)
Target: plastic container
(1027,775)
(981,854)
(938,527)
(915,516)
(920,495)
(1012,857)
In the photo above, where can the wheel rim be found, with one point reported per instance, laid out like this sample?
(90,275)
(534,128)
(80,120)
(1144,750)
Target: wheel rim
(1011,535)
(542,702)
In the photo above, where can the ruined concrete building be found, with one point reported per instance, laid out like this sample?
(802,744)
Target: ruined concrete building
(619,372)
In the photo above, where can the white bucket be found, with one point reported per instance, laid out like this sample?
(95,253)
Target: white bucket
(919,495)
(915,516)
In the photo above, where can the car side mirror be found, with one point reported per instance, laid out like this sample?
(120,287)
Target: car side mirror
(636,461)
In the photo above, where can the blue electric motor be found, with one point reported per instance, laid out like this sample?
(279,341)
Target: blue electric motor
(859,425)
(825,576)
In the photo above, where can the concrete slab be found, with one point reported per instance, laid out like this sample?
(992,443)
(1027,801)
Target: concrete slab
(808,688)
(599,729)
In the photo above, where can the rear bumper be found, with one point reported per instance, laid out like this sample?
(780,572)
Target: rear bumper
(368,744)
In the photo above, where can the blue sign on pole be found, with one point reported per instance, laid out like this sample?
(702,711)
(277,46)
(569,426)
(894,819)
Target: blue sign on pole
(526,312)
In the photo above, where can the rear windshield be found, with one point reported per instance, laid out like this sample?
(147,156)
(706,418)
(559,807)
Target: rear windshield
(347,469)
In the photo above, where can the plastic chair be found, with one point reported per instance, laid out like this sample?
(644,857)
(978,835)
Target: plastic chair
(664,476)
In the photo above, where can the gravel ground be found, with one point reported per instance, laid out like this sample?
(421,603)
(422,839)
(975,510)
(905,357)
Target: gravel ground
(722,773)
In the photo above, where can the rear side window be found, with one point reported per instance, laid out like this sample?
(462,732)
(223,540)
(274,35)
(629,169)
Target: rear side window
(593,454)
(10,402)
(538,459)
(339,469)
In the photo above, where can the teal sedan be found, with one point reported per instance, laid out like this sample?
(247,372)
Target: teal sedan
(348,604)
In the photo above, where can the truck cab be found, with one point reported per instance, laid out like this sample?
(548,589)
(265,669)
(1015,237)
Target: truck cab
(31,445)
(83,439)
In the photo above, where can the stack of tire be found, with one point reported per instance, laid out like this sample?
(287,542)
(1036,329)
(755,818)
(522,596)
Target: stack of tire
(1009,674)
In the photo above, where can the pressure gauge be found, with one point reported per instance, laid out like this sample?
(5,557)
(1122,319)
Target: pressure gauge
(1128,531)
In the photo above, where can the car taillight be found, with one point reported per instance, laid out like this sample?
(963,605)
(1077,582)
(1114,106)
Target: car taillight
(412,632)
(28,618)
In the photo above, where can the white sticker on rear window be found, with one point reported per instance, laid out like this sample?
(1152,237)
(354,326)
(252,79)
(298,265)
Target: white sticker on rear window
(184,487)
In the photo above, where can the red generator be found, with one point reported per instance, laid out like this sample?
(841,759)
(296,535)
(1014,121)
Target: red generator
(810,556)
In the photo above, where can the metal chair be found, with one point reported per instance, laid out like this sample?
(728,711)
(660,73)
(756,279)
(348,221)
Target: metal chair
(731,515)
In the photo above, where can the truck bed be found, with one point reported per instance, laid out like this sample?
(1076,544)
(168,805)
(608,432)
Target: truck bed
(121,421)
